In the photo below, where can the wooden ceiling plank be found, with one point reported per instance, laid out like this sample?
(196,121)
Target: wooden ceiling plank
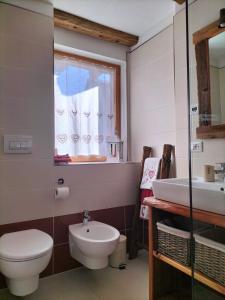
(78,24)
(180,1)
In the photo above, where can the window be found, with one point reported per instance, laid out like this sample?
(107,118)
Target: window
(87,108)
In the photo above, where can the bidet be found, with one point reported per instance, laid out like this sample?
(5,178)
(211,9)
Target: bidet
(92,243)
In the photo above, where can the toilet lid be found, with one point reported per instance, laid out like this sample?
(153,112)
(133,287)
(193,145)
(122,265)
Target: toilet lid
(25,245)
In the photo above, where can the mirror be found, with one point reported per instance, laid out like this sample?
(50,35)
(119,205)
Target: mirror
(217,78)
(210,63)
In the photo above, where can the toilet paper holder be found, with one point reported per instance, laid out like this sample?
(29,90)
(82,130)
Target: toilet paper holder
(61,181)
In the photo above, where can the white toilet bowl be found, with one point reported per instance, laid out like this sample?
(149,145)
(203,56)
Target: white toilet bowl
(92,244)
(23,256)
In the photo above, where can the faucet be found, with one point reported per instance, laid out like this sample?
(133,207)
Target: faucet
(221,170)
(86,217)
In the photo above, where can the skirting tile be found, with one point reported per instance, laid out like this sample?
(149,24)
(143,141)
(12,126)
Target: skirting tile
(61,227)
(45,225)
(112,216)
(62,259)
(129,215)
(2,282)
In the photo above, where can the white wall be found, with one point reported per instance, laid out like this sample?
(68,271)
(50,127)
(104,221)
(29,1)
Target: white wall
(158,91)
(43,7)
(214,150)
(26,108)
(89,44)
(27,182)
(152,107)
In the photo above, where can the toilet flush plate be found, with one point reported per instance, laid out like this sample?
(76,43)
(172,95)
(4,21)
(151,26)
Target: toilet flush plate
(21,144)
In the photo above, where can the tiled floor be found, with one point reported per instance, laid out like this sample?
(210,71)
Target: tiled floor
(84,284)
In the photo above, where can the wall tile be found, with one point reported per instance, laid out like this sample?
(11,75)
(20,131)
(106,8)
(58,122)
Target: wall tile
(45,225)
(49,269)
(182,143)
(26,174)
(28,53)
(2,282)
(24,113)
(20,78)
(112,216)
(129,215)
(78,175)
(24,204)
(63,260)
(152,103)
(42,148)
(61,227)
(32,28)
(97,196)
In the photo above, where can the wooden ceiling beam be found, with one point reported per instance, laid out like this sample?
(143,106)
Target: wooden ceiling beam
(74,23)
(179,1)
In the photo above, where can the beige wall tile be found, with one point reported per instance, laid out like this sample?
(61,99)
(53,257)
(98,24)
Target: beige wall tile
(152,95)
(209,10)
(29,25)
(79,175)
(97,196)
(27,182)
(26,174)
(182,167)
(89,44)
(23,204)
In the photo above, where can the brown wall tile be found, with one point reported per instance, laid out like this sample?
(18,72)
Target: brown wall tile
(112,216)
(129,215)
(62,259)
(2,282)
(61,227)
(45,225)
(49,270)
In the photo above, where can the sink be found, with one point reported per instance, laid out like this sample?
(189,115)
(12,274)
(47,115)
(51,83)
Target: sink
(208,196)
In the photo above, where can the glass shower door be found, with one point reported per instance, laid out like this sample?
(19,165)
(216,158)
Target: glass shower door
(206,92)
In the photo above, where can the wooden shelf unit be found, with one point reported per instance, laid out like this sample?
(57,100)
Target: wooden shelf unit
(197,275)
(176,209)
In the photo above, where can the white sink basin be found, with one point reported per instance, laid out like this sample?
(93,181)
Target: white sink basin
(208,196)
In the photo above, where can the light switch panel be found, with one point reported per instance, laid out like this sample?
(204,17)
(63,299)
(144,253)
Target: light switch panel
(197,146)
(17,144)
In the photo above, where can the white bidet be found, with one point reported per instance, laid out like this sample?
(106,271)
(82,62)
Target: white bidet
(92,243)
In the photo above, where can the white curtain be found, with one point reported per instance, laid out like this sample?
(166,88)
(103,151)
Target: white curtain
(84,107)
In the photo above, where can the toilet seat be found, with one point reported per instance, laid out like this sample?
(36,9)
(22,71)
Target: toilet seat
(25,245)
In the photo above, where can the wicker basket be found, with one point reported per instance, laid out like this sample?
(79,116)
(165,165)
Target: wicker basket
(174,242)
(210,254)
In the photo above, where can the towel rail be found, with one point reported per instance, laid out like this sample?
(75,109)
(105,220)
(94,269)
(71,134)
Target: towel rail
(139,224)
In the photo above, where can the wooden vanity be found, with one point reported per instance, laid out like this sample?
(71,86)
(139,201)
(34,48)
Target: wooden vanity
(165,274)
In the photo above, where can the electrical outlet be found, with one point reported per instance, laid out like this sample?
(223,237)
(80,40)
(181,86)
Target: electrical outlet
(194,109)
(197,146)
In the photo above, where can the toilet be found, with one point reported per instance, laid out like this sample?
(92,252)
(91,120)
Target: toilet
(23,256)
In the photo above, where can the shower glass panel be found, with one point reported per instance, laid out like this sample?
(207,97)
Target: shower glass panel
(206,89)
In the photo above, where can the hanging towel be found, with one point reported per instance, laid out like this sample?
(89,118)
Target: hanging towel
(150,171)
(151,167)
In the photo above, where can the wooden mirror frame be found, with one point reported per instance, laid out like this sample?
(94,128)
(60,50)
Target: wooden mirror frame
(201,41)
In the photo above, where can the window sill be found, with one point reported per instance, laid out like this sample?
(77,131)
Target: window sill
(96,163)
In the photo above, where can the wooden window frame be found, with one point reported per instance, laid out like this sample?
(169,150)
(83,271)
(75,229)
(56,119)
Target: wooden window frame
(117,101)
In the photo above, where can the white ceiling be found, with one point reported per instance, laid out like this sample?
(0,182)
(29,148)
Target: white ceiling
(139,17)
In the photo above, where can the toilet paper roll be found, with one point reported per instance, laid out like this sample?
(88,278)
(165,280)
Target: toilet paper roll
(62,192)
